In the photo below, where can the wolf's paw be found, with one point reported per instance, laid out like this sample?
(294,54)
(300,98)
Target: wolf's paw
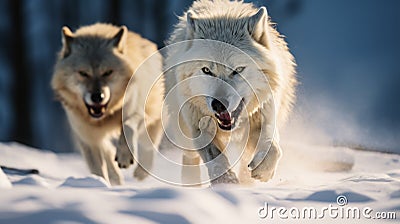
(140,173)
(263,173)
(123,157)
(265,170)
(124,161)
(227,178)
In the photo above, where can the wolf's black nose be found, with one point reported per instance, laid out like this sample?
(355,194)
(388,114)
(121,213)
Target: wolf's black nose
(97,97)
(218,106)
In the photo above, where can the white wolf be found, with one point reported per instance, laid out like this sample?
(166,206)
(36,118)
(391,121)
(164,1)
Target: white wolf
(249,92)
(92,72)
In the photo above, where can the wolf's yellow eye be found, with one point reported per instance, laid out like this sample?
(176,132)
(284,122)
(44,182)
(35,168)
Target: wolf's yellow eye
(238,70)
(206,70)
(107,73)
(83,74)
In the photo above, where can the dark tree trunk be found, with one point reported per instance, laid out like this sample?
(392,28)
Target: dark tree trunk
(21,90)
(115,11)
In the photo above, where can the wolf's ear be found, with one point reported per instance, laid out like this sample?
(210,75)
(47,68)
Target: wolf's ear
(257,26)
(190,20)
(67,38)
(119,40)
(191,24)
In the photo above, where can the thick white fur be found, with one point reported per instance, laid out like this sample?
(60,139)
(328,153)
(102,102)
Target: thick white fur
(259,47)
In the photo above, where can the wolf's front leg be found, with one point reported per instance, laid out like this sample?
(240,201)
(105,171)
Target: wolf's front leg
(190,168)
(267,149)
(124,156)
(217,163)
(150,138)
(114,173)
(94,157)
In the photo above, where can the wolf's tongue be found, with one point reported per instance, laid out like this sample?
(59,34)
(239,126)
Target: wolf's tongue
(225,116)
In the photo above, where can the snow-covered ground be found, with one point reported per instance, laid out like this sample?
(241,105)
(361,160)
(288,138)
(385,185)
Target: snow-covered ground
(308,176)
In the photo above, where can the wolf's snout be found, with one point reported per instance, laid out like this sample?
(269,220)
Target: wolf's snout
(97,102)
(221,113)
(97,97)
(226,120)
(218,106)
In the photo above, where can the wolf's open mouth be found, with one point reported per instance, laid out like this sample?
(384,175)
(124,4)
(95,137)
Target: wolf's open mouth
(226,121)
(97,110)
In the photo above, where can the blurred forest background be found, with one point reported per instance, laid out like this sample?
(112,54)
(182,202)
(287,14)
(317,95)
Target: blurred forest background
(347,54)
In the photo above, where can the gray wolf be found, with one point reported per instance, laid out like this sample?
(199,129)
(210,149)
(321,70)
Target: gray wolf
(90,78)
(247,97)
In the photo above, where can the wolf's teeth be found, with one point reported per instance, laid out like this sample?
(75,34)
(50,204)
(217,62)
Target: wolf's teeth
(92,111)
(103,109)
